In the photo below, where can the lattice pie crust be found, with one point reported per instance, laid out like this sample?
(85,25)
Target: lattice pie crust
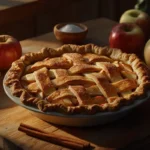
(76,79)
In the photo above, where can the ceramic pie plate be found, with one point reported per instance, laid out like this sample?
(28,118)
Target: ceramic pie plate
(77,120)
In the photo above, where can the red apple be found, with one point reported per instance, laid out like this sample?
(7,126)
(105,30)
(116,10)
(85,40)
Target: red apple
(128,37)
(10,50)
(139,17)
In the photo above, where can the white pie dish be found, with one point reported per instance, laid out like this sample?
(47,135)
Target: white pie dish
(77,120)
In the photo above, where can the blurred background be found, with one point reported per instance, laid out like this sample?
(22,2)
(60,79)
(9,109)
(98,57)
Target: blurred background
(28,18)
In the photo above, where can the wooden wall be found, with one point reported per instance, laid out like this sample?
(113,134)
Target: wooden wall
(35,17)
(114,8)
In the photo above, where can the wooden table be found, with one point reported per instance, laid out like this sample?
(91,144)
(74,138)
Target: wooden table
(128,133)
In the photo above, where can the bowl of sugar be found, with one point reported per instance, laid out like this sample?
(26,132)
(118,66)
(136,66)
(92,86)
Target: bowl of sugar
(70,33)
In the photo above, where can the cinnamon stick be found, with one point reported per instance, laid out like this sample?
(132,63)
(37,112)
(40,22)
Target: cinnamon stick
(32,128)
(56,139)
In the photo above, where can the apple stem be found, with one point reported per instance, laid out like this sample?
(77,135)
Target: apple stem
(127,29)
(2,39)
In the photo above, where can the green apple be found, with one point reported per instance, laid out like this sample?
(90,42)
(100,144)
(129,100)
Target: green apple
(147,52)
(139,17)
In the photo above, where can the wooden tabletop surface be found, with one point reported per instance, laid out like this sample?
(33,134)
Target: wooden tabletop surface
(130,132)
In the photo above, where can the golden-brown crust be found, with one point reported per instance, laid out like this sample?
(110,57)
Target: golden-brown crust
(18,67)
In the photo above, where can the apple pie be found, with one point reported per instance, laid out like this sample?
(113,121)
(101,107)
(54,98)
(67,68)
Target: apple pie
(77,79)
